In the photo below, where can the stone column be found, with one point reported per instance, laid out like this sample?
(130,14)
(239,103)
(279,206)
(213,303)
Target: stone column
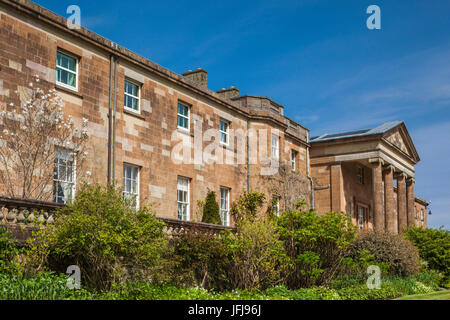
(391,217)
(377,187)
(401,199)
(337,188)
(411,201)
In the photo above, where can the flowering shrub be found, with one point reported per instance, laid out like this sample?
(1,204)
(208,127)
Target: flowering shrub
(29,135)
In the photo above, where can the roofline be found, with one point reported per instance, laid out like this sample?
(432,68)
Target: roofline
(259,97)
(42,14)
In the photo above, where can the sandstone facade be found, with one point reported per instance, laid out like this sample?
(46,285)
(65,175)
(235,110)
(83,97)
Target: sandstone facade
(150,138)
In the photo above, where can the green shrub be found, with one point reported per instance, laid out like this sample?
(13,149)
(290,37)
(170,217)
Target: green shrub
(316,245)
(105,237)
(256,255)
(393,250)
(434,247)
(211,211)
(247,206)
(9,249)
(430,278)
(201,258)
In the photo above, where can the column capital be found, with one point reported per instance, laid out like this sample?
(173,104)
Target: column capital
(411,181)
(389,167)
(376,160)
(400,175)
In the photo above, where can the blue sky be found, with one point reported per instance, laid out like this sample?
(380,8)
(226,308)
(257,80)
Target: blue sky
(315,57)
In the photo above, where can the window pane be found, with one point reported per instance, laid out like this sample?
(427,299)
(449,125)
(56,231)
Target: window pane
(183,110)
(131,88)
(65,61)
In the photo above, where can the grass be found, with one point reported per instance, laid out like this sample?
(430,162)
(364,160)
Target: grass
(440,295)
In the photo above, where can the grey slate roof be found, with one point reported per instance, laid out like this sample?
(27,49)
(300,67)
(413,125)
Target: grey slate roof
(367,132)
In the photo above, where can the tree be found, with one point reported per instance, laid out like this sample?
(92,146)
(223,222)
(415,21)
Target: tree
(30,136)
(211,213)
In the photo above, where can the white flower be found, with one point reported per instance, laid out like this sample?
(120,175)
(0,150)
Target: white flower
(88,173)
(5,132)
(24,127)
(11,104)
(30,84)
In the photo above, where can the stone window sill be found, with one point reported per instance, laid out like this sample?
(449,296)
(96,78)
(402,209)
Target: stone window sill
(68,91)
(134,114)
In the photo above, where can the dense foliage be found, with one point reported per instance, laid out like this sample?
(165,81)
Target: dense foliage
(316,245)
(247,206)
(123,253)
(102,234)
(211,211)
(9,249)
(393,250)
(48,286)
(201,259)
(256,254)
(434,248)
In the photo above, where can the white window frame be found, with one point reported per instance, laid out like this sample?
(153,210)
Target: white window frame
(225,211)
(69,154)
(275,146)
(138,97)
(276,205)
(183,116)
(360,177)
(184,182)
(226,133)
(137,181)
(62,84)
(293,160)
(361,217)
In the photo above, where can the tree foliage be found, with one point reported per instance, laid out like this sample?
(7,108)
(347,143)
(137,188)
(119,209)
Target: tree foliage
(434,247)
(211,211)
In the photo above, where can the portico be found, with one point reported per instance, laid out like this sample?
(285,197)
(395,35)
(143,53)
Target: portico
(369,174)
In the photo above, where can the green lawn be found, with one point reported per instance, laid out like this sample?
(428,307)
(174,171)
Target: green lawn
(440,295)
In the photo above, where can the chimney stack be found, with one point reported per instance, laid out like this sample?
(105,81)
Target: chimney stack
(198,76)
(232,92)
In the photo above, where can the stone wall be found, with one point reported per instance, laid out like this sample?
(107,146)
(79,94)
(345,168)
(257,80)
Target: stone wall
(148,139)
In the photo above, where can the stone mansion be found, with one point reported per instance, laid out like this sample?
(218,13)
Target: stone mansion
(140,114)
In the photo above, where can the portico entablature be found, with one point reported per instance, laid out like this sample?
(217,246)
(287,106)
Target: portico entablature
(399,166)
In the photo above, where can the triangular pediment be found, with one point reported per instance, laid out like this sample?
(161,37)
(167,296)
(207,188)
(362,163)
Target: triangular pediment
(400,139)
